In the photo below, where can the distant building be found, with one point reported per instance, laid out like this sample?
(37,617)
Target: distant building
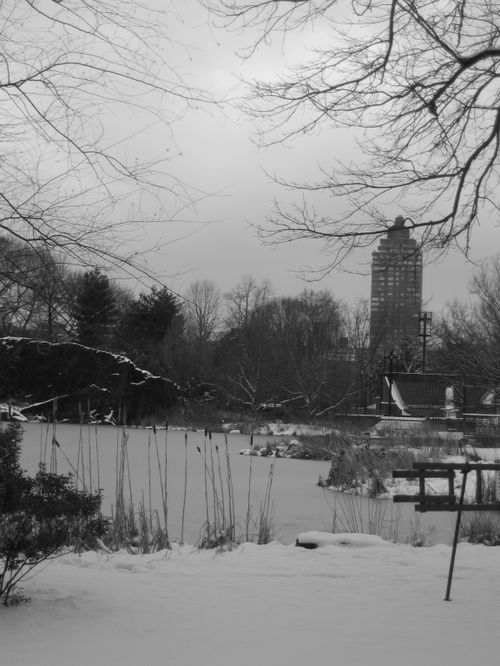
(396,292)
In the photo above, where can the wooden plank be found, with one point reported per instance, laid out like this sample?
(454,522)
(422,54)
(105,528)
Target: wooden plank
(479,487)
(421,484)
(451,489)
(416,474)
(422,508)
(425,499)
(456,466)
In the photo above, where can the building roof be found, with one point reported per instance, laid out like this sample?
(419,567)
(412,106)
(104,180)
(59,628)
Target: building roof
(425,394)
(422,396)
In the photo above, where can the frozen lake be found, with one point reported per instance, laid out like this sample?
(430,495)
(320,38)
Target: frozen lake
(299,504)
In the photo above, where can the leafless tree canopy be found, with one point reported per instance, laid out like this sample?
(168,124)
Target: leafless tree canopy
(467,338)
(75,76)
(202,306)
(417,82)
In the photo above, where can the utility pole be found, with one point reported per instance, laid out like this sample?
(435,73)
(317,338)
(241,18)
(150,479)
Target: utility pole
(425,332)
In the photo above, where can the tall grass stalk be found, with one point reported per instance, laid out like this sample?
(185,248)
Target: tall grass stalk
(89,446)
(265,527)
(80,464)
(43,459)
(355,514)
(120,527)
(481,527)
(127,460)
(184,497)
(213,533)
(117,458)
(205,475)
(40,452)
(123,516)
(70,464)
(219,531)
(249,508)
(230,493)
(142,527)
(44,442)
(165,485)
(97,457)
(221,485)
(212,477)
(149,484)
(53,449)
(139,531)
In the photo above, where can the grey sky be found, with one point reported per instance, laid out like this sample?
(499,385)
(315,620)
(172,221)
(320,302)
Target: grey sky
(214,154)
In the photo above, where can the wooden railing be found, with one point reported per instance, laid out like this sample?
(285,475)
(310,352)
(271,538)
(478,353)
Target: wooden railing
(426,500)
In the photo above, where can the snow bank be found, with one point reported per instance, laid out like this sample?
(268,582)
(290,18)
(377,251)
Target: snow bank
(368,603)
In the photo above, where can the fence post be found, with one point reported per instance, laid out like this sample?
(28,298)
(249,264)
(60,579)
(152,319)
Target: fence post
(455,537)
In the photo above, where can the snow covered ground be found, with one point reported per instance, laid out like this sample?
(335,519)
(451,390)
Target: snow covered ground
(353,601)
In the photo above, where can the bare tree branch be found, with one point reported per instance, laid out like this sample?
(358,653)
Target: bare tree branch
(415,84)
(78,82)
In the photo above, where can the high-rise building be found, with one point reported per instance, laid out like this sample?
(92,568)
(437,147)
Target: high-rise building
(396,292)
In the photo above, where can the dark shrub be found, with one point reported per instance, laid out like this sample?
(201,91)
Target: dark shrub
(39,516)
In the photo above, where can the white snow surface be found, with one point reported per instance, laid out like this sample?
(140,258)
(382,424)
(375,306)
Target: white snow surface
(354,600)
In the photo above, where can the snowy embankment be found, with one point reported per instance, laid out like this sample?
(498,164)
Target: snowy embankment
(355,600)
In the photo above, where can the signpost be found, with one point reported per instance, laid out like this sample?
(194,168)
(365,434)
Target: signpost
(425,501)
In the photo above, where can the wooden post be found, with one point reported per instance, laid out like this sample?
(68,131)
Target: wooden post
(448,502)
(455,537)
(479,487)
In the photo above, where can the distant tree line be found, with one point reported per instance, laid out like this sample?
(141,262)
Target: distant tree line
(247,349)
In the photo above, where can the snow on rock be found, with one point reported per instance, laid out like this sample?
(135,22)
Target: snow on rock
(314,539)
(38,372)
(280,429)
(8,412)
(291,449)
(296,430)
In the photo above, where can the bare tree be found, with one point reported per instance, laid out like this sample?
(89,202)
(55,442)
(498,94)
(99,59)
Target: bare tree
(202,317)
(202,310)
(242,351)
(51,284)
(32,290)
(359,351)
(245,301)
(78,80)
(282,352)
(306,332)
(416,83)
(468,336)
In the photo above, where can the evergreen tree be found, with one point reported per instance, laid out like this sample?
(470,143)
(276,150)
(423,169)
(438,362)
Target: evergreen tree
(95,310)
(150,327)
(39,516)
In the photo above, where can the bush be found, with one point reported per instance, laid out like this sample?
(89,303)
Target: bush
(365,464)
(478,527)
(39,516)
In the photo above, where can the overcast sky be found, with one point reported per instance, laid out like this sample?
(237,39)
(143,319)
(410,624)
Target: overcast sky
(214,154)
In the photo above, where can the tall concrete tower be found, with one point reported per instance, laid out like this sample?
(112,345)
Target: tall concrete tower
(396,291)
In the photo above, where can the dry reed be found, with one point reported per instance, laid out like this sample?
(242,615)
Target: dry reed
(140,527)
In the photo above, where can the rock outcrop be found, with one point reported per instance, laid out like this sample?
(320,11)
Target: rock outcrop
(82,379)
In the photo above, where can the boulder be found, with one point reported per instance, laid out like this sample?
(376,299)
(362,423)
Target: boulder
(81,380)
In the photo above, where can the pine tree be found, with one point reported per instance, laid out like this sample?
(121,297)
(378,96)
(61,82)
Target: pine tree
(149,328)
(95,310)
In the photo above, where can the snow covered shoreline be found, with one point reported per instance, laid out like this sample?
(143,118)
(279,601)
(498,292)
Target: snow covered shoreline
(354,600)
